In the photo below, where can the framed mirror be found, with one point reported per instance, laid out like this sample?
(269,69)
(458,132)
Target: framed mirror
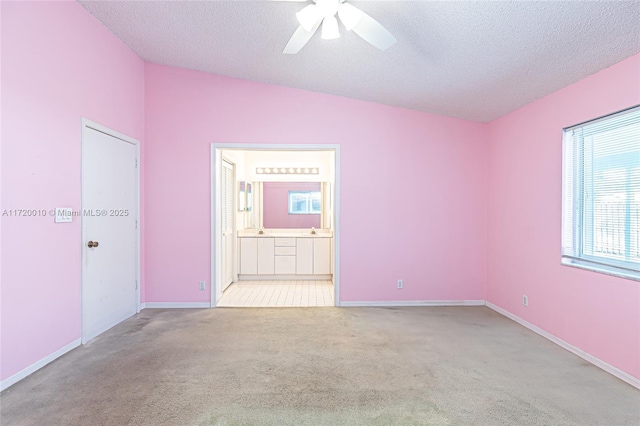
(241,196)
(249,194)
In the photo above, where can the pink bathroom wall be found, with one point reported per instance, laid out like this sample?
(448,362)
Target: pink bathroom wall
(59,64)
(275,212)
(597,313)
(413,185)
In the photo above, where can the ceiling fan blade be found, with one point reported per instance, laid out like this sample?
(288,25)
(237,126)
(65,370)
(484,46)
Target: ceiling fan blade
(349,15)
(374,33)
(299,38)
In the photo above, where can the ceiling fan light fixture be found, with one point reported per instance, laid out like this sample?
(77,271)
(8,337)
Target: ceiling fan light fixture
(326,13)
(308,17)
(330,29)
(349,15)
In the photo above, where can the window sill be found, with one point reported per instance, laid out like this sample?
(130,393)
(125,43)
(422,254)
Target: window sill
(601,269)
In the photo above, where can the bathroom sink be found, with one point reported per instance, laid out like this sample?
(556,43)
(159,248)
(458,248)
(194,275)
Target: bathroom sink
(285,234)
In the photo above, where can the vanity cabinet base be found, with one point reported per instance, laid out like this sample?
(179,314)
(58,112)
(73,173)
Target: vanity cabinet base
(285,277)
(298,257)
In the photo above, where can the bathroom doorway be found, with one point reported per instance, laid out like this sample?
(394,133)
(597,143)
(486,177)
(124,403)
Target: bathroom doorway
(286,226)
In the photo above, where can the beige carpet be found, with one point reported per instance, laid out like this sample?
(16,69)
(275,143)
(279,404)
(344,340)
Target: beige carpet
(320,366)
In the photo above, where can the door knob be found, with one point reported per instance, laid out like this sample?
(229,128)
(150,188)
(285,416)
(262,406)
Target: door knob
(92,244)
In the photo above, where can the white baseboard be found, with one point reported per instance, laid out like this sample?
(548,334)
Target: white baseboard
(142,306)
(38,365)
(399,303)
(247,277)
(170,305)
(626,377)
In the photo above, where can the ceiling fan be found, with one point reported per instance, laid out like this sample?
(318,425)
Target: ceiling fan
(324,12)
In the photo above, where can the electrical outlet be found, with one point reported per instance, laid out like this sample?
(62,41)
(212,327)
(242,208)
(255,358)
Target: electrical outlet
(525,300)
(202,285)
(400,284)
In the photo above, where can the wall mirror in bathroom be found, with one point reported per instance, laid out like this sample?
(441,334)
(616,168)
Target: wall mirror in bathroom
(242,197)
(249,196)
(245,196)
(290,205)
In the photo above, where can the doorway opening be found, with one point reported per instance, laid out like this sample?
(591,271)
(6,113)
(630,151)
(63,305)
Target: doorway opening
(280,222)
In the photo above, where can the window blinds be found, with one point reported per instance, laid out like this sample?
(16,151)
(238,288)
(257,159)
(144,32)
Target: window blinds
(601,191)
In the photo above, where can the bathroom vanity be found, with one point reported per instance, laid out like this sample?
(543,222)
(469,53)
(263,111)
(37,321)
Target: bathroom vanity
(285,255)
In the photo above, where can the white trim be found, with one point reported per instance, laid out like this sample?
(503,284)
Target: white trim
(176,305)
(601,269)
(234,226)
(336,227)
(215,158)
(88,124)
(626,377)
(398,303)
(214,179)
(11,380)
(247,277)
(143,306)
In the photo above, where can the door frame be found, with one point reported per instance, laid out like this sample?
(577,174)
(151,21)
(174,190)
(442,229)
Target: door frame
(234,226)
(214,180)
(86,126)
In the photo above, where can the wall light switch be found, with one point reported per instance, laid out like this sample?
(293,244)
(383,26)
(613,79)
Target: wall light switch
(63,215)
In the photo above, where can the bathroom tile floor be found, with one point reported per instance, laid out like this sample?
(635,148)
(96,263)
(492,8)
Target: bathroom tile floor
(274,294)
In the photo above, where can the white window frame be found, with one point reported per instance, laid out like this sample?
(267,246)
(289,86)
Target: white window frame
(309,202)
(573,220)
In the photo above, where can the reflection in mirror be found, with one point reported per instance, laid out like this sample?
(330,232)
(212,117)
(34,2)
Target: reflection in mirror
(291,205)
(288,205)
(241,196)
(249,193)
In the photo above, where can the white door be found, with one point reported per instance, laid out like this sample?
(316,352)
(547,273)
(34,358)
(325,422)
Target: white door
(227,187)
(109,229)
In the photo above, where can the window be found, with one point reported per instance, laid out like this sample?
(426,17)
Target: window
(601,194)
(304,202)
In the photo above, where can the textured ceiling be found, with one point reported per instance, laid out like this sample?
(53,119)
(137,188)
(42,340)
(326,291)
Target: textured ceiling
(473,60)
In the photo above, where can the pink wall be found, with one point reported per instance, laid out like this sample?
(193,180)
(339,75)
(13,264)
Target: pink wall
(421,176)
(58,65)
(439,186)
(599,314)
(276,205)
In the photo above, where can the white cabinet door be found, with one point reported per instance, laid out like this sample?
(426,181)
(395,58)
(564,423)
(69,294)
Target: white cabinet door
(248,255)
(285,265)
(321,256)
(266,263)
(304,256)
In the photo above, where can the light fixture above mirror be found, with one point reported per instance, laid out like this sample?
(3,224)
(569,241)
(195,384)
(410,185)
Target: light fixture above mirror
(287,170)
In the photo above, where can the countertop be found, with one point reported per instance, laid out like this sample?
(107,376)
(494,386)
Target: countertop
(284,234)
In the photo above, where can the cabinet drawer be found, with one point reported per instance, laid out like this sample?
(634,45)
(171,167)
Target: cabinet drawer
(285,251)
(285,242)
(285,264)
